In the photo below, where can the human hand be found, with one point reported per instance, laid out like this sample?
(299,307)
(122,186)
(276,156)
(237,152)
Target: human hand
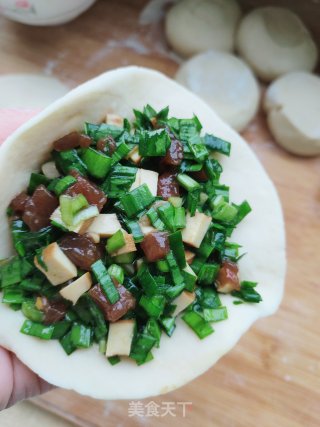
(17,382)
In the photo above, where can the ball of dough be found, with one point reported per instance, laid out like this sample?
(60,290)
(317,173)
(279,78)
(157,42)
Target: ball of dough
(274,41)
(292,104)
(29,90)
(225,82)
(195,26)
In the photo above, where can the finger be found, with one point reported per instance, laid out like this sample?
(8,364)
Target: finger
(22,383)
(6,378)
(11,119)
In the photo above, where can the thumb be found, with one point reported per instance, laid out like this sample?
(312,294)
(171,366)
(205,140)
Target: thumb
(11,119)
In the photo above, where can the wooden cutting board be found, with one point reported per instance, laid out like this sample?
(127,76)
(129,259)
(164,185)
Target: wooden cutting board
(272,377)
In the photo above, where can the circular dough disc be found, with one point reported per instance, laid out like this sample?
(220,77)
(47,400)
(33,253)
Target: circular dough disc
(29,90)
(226,83)
(274,41)
(195,26)
(292,103)
(184,356)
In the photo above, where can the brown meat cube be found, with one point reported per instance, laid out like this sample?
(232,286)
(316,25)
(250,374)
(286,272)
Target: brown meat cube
(107,146)
(91,192)
(168,185)
(67,142)
(113,312)
(174,154)
(53,310)
(228,280)
(201,175)
(155,246)
(19,202)
(80,250)
(39,208)
(85,141)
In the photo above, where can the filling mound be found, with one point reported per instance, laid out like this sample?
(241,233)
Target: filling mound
(126,227)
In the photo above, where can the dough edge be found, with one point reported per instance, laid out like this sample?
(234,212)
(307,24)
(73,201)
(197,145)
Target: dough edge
(183,357)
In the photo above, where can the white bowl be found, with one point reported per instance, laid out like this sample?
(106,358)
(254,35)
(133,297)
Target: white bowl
(43,12)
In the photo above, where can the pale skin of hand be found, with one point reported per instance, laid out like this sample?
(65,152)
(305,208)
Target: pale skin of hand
(17,382)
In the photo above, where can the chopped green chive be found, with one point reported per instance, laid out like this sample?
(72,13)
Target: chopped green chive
(147,281)
(81,336)
(13,296)
(134,229)
(67,343)
(248,293)
(61,329)
(222,210)
(187,182)
(136,200)
(116,272)
(153,305)
(176,274)
(63,184)
(115,242)
(141,346)
(217,144)
(208,273)
(114,360)
(122,151)
(37,330)
(70,206)
(215,314)
(168,324)
(177,247)
(179,217)
(31,312)
(101,274)
(197,324)
(154,143)
(69,160)
(37,179)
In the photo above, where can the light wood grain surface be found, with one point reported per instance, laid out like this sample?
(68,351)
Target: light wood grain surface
(272,377)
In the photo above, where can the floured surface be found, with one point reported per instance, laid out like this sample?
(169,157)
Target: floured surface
(119,92)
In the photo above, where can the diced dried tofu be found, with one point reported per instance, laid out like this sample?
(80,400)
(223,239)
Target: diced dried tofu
(145,176)
(77,288)
(196,228)
(190,256)
(136,182)
(94,237)
(128,247)
(59,268)
(189,270)
(81,228)
(139,263)
(147,229)
(134,155)
(105,225)
(50,170)
(151,179)
(226,288)
(120,338)
(145,225)
(183,301)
